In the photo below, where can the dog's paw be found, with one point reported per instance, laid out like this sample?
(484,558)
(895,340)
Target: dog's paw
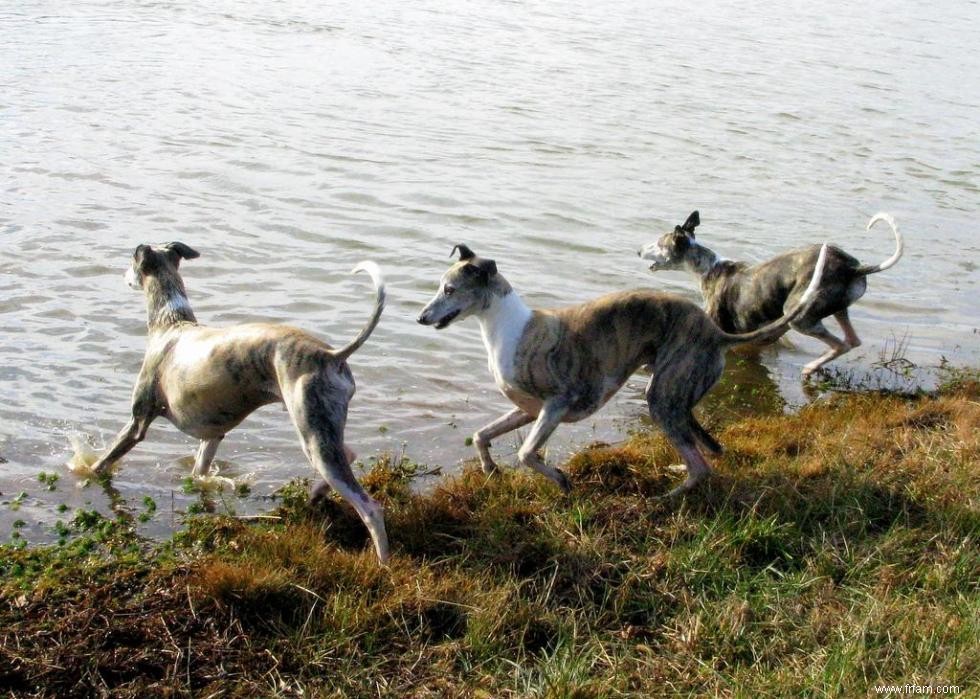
(563,482)
(319,493)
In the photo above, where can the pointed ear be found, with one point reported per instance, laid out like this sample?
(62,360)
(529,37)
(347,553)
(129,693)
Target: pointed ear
(464,252)
(183,251)
(692,222)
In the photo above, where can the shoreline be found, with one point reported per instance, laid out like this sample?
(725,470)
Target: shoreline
(834,547)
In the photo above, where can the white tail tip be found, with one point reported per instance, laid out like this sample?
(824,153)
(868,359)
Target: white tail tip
(882,216)
(372,269)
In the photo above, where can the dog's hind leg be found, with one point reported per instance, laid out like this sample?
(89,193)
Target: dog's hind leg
(705,439)
(670,396)
(319,411)
(513,420)
(335,470)
(683,435)
(548,419)
(691,391)
(837,346)
(205,455)
(322,489)
(850,335)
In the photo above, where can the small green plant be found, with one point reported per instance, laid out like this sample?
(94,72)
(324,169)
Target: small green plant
(149,507)
(15,504)
(48,479)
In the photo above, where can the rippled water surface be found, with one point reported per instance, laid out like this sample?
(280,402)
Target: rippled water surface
(287,141)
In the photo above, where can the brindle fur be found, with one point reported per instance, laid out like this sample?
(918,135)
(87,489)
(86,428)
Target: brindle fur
(207,380)
(741,297)
(563,365)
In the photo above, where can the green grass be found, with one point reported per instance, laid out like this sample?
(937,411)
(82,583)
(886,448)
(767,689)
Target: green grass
(834,549)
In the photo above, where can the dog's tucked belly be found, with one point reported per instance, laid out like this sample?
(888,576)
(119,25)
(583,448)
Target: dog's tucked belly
(528,403)
(210,410)
(581,407)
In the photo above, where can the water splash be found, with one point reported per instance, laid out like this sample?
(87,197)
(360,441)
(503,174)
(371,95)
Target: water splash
(83,456)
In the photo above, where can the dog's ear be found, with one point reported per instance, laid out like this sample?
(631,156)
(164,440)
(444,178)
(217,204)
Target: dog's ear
(692,222)
(488,267)
(145,257)
(182,251)
(481,269)
(464,252)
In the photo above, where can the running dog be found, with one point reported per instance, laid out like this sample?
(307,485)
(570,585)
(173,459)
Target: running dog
(563,365)
(740,297)
(207,380)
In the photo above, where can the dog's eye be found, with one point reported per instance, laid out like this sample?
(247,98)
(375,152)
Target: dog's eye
(449,290)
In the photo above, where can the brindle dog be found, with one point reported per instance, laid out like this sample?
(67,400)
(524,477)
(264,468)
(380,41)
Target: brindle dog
(563,365)
(740,297)
(207,380)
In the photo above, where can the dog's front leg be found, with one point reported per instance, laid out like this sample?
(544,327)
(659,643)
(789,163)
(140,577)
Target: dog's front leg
(549,418)
(513,420)
(205,455)
(131,435)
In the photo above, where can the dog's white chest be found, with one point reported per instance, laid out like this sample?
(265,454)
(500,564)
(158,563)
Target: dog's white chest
(503,327)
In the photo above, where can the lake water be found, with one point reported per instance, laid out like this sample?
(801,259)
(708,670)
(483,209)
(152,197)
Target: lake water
(287,141)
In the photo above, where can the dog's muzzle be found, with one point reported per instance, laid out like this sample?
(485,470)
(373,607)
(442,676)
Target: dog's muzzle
(423,319)
(446,320)
(130,279)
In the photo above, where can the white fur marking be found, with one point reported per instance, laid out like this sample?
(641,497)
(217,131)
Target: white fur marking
(191,352)
(177,304)
(503,326)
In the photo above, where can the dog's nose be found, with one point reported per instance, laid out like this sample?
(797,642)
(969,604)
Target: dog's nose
(421,319)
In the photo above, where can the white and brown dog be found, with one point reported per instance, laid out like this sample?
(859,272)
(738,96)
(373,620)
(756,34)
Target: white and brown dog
(207,380)
(563,365)
(740,297)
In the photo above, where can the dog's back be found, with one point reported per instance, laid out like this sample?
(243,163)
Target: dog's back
(740,297)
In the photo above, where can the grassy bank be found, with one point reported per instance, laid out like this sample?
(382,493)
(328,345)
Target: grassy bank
(835,549)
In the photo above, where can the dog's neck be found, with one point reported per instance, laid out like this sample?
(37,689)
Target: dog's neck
(502,324)
(705,264)
(166,304)
(700,260)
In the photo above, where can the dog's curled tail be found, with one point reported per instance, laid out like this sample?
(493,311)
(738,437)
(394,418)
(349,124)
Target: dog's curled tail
(379,305)
(899,245)
(778,327)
